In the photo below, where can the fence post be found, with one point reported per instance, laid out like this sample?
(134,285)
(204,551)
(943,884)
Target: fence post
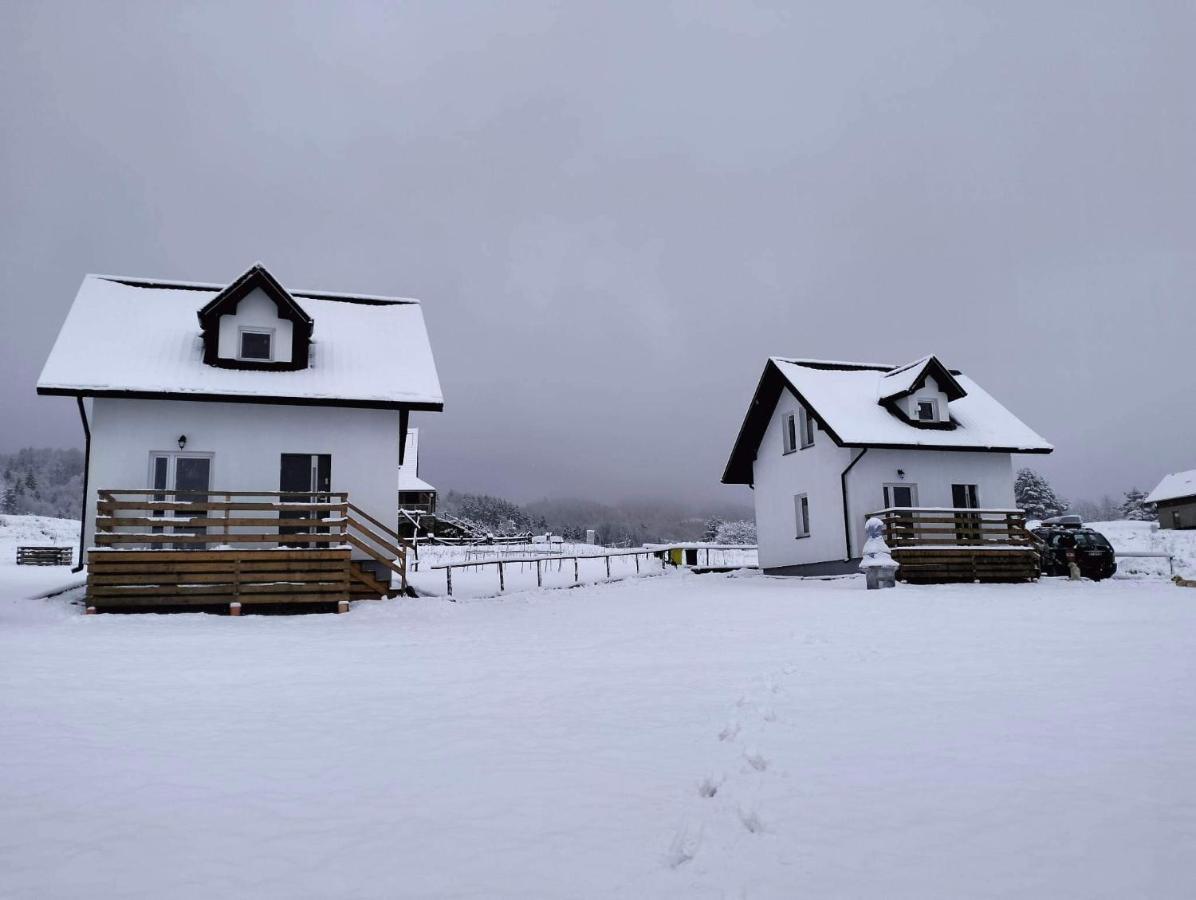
(539,581)
(448,577)
(575,578)
(608,565)
(501,583)
(637,563)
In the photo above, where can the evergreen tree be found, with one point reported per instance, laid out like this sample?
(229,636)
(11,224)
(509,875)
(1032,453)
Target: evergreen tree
(1035,496)
(1135,507)
(739,532)
(710,531)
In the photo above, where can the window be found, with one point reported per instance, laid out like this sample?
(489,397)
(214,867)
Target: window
(801,507)
(257,343)
(928,410)
(789,424)
(965,496)
(807,429)
(901,496)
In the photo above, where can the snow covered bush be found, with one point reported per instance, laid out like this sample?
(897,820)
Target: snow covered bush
(1035,496)
(740,532)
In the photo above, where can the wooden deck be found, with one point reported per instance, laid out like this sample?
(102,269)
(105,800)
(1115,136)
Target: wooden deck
(230,549)
(935,546)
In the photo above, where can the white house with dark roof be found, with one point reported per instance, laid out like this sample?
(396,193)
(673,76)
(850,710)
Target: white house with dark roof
(824,444)
(247,387)
(1175,499)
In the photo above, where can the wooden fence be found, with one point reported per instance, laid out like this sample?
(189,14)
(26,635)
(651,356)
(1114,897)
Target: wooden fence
(44,556)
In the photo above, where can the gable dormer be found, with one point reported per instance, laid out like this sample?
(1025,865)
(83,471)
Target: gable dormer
(255,324)
(920,393)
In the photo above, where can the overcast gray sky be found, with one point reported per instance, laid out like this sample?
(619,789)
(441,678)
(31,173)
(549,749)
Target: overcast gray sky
(614,212)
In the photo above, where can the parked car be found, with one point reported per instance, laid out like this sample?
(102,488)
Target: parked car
(1063,538)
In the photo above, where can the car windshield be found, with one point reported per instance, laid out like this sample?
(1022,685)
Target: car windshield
(1090,540)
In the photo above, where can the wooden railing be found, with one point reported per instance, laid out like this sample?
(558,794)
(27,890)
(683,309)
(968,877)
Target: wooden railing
(951,527)
(214,519)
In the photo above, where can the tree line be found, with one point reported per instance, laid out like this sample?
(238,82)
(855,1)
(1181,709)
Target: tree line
(1035,496)
(40,481)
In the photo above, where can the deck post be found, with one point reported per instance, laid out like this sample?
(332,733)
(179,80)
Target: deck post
(234,609)
(91,611)
(342,606)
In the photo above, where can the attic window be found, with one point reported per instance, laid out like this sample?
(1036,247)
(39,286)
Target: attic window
(257,343)
(928,410)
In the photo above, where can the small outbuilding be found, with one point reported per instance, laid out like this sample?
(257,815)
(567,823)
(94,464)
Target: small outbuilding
(1175,499)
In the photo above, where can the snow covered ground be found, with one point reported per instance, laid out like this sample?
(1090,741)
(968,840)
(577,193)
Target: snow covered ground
(35,531)
(673,736)
(1144,537)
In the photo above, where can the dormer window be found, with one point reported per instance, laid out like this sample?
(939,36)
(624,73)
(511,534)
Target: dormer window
(257,344)
(255,324)
(928,410)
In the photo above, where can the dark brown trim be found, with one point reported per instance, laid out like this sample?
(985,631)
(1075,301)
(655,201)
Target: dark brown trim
(86,476)
(215,289)
(895,408)
(242,398)
(846,511)
(256,278)
(755,423)
(950,447)
(944,376)
(768,390)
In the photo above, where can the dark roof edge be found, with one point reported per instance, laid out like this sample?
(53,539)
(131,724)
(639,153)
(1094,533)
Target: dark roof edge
(361,299)
(847,366)
(421,406)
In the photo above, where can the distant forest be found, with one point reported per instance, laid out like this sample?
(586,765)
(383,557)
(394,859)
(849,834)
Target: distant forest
(629,522)
(42,482)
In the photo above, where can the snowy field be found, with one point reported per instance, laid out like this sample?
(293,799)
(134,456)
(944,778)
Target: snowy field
(672,736)
(1143,537)
(35,531)
(557,569)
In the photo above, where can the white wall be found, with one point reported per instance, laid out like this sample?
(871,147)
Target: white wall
(255,310)
(815,471)
(246,440)
(933,471)
(778,476)
(928,391)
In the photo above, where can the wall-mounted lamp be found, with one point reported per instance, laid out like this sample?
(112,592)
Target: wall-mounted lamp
(182,441)
(900,472)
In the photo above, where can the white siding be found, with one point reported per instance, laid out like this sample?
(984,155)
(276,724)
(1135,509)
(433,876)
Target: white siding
(816,472)
(255,310)
(928,391)
(247,441)
(933,471)
(778,476)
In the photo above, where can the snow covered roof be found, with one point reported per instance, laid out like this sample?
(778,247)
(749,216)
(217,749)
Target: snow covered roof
(130,337)
(409,479)
(906,379)
(849,402)
(1175,486)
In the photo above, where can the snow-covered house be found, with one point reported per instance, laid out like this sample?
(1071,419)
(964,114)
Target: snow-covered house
(198,393)
(1175,499)
(415,494)
(825,444)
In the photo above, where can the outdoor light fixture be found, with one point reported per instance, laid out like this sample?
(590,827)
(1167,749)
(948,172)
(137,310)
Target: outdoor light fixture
(900,472)
(182,441)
